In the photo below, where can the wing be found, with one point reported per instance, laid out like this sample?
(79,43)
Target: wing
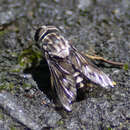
(80,62)
(63,82)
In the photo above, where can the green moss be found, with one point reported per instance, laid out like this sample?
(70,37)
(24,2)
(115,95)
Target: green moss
(29,58)
(60,122)
(26,85)
(84,12)
(13,54)
(125,67)
(7,86)
(1,116)
(16,69)
(13,128)
(3,33)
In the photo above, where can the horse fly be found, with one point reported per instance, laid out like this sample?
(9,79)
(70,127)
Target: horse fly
(69,68)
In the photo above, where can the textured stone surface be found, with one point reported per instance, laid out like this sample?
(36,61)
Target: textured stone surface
(99,27)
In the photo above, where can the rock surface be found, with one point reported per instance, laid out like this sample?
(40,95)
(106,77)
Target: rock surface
(98,27)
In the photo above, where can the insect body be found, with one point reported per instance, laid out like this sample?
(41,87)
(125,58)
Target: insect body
(69,68)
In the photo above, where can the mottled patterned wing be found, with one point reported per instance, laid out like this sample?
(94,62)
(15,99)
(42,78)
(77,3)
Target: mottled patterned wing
(64,84)
(89,71)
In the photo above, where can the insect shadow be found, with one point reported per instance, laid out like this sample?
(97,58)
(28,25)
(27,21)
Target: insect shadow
(41,76)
